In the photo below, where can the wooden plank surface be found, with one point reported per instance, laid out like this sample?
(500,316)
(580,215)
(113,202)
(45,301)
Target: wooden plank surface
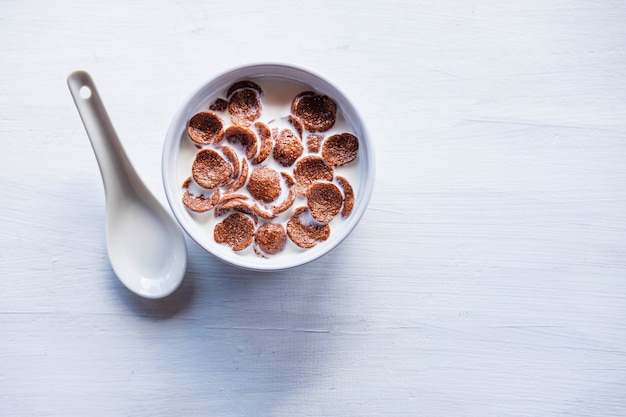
(487,277)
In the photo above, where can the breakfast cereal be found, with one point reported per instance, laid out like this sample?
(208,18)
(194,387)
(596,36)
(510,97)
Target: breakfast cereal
(310,169)
(205,128)
(317,112)
(268,180)
(210,169)
(306,233)
(324,200)
(270,238)
(340,149)
(236,230)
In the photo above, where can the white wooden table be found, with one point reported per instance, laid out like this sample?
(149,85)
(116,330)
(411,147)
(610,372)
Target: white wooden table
(487,278)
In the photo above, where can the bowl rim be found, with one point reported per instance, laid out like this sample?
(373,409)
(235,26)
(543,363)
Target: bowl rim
(219,81)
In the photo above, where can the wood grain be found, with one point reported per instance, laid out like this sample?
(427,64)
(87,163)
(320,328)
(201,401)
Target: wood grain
(485,279)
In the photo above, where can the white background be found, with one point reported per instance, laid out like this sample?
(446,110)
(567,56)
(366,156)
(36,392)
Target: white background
(487,278)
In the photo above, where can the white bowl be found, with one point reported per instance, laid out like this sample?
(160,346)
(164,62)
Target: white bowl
(174,173)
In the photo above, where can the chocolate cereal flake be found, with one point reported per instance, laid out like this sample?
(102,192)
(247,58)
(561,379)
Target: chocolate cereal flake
(226,205)
(232,157)
(271,238)
(243,84)
(291,196)
(324,200)
(340,149)
(304,232)
(313,142)
(205,128)
(296,123)
(262,212)
(267,143)
(310,169)
(317,112)
(241,180)
(287,148)
(228,197)
(210,170)
(236,230)
(288,179)
(348,196)
(244,137)
(219,105)
(286,203)
(264,184)
(245,106)
(199,203)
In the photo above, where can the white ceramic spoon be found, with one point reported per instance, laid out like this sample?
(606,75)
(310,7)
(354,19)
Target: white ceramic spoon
(146,247)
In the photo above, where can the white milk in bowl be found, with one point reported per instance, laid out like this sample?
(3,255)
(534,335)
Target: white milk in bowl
(279,181)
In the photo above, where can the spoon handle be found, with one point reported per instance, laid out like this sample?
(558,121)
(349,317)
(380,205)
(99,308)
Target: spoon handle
(115,167)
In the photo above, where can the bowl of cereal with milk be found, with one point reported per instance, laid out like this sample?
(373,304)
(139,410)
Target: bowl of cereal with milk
(268,167)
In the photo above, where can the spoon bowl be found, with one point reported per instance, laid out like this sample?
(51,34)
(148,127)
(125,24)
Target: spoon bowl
(146,247)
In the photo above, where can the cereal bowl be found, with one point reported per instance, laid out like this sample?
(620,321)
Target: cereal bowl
(268,167)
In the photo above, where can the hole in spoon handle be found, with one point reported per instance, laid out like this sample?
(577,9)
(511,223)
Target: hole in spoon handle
(84,92)
(115,168)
